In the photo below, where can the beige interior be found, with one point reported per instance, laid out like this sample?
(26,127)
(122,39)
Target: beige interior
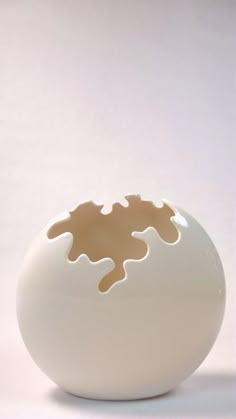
(109,235)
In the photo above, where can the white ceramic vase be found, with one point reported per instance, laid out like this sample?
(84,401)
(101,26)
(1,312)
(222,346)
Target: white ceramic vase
(122,305)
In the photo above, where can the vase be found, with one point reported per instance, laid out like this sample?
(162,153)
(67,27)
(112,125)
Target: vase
(122,305)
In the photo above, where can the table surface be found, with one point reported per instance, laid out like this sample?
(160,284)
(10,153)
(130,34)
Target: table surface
(101,98)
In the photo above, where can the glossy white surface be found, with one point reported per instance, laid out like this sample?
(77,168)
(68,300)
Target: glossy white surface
(139,339)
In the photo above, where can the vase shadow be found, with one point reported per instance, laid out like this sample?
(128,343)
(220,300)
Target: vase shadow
(201,395)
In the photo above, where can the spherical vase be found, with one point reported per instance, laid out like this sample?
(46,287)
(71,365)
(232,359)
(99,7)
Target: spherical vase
(122,305)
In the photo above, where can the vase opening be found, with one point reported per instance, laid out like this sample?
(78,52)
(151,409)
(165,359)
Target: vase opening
(109,235)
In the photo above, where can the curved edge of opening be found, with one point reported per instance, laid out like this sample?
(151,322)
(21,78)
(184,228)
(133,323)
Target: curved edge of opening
(58,221)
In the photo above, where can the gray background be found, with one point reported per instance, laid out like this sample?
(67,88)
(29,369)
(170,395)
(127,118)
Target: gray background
(100,98)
